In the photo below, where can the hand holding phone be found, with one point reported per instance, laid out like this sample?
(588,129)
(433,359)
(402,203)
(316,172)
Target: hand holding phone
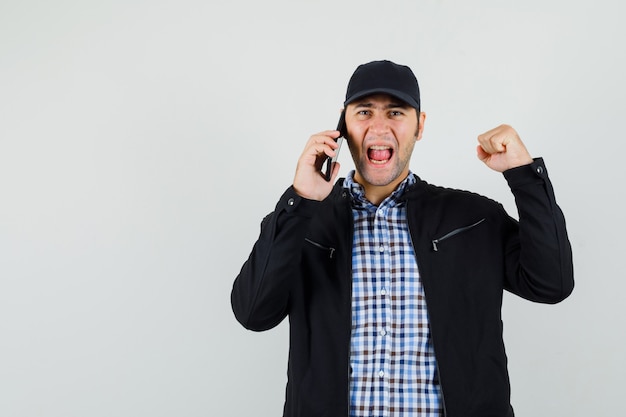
(330,162)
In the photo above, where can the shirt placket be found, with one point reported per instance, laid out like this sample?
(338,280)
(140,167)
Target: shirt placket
(383,299)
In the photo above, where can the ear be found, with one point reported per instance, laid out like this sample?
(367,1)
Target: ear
(421,119)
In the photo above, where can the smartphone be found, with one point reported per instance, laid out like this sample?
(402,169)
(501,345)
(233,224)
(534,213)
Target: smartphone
(330,162)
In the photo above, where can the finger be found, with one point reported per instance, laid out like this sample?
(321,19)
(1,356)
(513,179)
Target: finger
(323,139)
(331,134)
(320,145)
(491,143)
(321,150)
(481,154)
(495,140)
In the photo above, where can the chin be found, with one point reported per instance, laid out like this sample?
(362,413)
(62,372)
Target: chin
(380,178)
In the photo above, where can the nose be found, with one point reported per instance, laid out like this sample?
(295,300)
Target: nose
(379,124)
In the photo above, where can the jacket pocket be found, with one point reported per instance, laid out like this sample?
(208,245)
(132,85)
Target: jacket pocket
(437,242)
(330,250)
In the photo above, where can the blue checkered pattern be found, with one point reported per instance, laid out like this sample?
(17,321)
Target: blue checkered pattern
(393,368)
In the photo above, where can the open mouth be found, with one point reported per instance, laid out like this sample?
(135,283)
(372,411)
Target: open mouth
(379,155)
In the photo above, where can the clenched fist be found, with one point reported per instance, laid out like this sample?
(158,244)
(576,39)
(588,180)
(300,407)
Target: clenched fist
(501,149)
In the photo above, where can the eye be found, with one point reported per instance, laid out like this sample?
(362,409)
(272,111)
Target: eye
(396,113)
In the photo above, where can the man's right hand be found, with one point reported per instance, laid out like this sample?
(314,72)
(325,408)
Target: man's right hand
(309,182)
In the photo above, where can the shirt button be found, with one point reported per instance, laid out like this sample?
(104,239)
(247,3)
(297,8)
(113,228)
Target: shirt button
(383,332)
(539,170)
(383,292)
(381,373)
(381,249)
(290,202)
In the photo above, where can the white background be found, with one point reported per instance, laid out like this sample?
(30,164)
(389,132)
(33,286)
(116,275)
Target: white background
(141,143)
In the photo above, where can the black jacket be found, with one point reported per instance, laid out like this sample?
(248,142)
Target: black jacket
(468,251)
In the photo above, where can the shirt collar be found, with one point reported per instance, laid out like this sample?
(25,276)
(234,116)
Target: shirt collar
(358,193)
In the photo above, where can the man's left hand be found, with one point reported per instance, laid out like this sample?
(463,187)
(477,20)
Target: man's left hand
(501,149)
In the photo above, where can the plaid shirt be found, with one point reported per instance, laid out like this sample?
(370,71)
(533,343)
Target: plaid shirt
(393,368)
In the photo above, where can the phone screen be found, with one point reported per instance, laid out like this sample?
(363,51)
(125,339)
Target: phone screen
(330,162)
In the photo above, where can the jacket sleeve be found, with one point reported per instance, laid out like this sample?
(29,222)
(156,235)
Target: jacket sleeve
(261,291)
(538,252)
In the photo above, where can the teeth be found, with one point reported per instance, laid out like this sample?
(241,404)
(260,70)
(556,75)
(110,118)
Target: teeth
(378,148)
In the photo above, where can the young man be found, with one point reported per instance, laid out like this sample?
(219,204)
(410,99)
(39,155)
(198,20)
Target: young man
(393,286)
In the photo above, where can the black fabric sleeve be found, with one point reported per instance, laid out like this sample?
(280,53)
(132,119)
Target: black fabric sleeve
(538,251)
(260,293)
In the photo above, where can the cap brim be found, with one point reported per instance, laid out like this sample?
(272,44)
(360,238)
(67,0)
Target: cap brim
(394,93)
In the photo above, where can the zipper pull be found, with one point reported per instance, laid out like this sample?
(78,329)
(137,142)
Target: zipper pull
(435,245)
(322,247)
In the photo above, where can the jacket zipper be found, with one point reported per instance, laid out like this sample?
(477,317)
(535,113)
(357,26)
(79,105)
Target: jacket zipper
(443,398)
(436,242)
(320,246)
(350,234)
(349,339)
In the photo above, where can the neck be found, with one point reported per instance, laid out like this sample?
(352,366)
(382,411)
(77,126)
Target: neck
(376,194)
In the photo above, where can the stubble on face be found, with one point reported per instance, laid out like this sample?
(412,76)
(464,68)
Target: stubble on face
(396,171)
(389,135)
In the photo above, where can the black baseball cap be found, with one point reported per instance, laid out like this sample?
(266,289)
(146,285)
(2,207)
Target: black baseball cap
(384,77)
